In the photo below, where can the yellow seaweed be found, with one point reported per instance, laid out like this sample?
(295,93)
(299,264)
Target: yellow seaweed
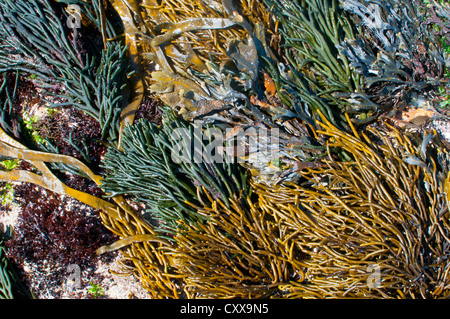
(128,113)
(128,241)
(179,35)
(140,240)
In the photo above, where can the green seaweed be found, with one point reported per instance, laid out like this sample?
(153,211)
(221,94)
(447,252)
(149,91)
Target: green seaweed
(350,193)
(10,285)
(147,169)
(36,41)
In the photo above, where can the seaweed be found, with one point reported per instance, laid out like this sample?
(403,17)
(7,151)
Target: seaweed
(8,93)
(363,58)
(341,204)
(5,274)
(49,229)
(205,62)
(313,72)
(36,41)
(376,226)
(186,40)
(148,169)
(11,287)
(379,212)
(397,52)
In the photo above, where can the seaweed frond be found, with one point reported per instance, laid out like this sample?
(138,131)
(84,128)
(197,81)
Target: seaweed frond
(397,51)
(36,41)
(373,227)
(163,167)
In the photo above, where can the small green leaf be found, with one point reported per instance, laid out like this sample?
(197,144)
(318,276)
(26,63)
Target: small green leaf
(9,165)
